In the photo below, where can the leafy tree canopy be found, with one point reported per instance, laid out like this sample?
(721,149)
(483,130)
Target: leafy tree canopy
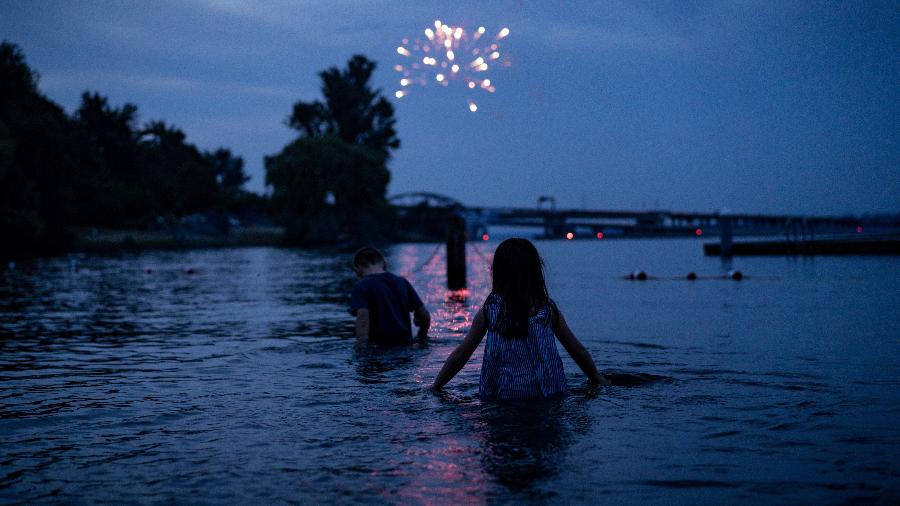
(330,183)
(98,167)
(351,110)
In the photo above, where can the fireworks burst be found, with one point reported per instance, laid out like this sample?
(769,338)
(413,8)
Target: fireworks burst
(451,54)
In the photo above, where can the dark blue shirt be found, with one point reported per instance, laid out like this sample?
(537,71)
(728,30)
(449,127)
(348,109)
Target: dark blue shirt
(390,299)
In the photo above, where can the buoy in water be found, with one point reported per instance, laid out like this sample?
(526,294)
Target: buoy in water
(638,275)
(692,276)
(189,270)
(735,275)
(148,270)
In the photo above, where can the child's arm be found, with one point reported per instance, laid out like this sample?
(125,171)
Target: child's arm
(576,350)
(422,319)
(421,316)
(463,352)
(362,325)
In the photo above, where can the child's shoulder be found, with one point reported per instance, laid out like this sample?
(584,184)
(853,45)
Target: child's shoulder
(495,298)
(492,299)
(384,281)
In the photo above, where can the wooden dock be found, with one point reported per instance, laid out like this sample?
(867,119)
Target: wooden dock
(870,245)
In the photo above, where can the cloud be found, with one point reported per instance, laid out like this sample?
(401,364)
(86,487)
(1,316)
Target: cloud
(335,23)
(81,79)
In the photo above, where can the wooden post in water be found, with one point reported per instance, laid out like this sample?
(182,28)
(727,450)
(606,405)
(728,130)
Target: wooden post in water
(725,234)
(456,253)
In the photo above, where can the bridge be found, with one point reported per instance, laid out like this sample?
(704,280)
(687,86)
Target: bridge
(550,222)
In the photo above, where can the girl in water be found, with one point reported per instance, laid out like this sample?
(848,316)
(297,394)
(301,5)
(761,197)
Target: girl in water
(520,357)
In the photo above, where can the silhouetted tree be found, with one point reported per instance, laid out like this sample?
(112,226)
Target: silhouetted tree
(328,189)
(184,181)
(330,183)
(40,160)
(352,110)
(228,170)
(97,167)
(119,194)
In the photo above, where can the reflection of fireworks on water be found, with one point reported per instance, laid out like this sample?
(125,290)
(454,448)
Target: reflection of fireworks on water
(451,54)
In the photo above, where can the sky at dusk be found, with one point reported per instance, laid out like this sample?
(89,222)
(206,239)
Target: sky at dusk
(752,106)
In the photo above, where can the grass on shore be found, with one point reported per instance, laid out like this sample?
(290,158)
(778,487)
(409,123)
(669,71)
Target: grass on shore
(98,240)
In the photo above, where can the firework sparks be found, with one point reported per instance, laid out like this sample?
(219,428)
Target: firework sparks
(451,54)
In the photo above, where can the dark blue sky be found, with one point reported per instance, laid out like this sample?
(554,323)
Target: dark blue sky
(755,106)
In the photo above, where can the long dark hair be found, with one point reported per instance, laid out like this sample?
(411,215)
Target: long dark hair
(518,278)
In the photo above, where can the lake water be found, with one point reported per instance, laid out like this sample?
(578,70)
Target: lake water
(127,379)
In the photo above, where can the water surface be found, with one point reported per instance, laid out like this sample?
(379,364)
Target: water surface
(129,379)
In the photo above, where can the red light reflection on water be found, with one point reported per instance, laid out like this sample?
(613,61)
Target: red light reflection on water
(449,473)
(448,468)
(425,266)
(458,295)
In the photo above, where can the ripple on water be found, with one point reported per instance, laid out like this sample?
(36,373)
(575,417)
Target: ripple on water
(241,383)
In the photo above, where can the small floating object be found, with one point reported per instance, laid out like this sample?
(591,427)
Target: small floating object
(189,270)
(148,270)
(638,275)
(735,275)
(692,276)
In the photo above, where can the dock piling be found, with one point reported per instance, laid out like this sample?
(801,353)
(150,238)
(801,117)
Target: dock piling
(725,234)
(456,253)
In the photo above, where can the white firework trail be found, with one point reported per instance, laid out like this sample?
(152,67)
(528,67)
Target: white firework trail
(451,54)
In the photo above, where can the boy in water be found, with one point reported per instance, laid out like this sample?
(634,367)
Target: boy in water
(382,301)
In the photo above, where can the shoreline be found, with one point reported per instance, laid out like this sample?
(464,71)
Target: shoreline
(118,240)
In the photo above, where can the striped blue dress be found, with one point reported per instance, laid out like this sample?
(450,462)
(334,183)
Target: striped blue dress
(521,368)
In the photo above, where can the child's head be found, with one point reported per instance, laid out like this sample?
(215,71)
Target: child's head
(518,277)
(366,258)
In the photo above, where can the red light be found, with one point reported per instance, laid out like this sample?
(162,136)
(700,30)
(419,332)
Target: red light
(599,235)
(698,232)
(485,237)
(570,236)
(858,230)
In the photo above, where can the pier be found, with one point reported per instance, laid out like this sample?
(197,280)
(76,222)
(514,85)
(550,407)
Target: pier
(847,245)
(573,224)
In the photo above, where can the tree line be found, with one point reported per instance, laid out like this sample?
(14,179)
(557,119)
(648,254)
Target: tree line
(99,166)
(102,167)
